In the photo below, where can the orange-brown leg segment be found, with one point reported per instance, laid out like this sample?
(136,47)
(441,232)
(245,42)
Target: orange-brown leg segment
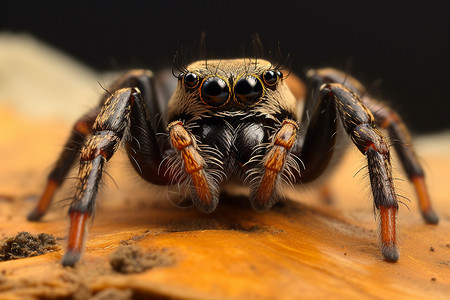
(266,194)
(203,195)
(75,243)
(44,201)
(388,235)
(424,200)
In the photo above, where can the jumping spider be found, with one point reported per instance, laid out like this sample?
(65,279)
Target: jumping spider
(234,119)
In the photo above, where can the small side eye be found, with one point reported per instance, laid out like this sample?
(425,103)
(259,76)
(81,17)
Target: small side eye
(271,77)
(280,74)
(191,80)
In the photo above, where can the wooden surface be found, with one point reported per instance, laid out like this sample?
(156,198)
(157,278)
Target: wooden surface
(303,248)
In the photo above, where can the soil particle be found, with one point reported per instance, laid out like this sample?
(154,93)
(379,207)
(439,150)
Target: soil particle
(6,198)
(219,224)
(82,292)
(431,249)
(5,284)
(131,259)
(25,244)
(247,228)
(195,225)
(113,294)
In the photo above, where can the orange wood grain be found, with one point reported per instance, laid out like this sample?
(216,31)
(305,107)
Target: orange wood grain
(301,250)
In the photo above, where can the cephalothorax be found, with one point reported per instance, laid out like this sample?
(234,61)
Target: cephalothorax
(234,119)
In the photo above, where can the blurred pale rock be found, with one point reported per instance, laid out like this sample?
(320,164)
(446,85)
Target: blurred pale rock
(41,81)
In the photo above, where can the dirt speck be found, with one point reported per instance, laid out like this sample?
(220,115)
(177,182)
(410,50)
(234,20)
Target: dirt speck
(113,294)
(6,198)
(246,228)
(132,259)
(82,292)
(431,249)
(195,224)
(25,244)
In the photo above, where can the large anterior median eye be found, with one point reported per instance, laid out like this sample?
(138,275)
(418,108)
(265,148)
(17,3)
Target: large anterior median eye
(248,90)
(214,92)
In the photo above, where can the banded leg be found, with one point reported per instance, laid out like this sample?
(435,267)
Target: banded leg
(335,100)
(359,123)
(401,140)
(113,121)
(266,193)
(108,130)
(81,130)
(143,80)
(386,118)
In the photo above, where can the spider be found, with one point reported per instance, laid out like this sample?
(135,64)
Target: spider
(234,119)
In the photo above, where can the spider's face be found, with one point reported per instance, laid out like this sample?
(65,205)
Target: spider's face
(230,87)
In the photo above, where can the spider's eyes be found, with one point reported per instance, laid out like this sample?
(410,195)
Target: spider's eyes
(191,80)
(271,77)
(248,89)
(215,92)
(279,74)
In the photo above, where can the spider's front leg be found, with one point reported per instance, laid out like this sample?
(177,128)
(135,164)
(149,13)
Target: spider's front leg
(108,130)
(334,102)
(386,118)
(359,123)
(147,84)
(81,130)
(123,115)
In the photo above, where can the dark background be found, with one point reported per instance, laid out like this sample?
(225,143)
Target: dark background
(402,47)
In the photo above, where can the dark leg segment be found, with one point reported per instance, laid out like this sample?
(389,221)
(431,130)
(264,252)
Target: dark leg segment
(385,200)
(386,118)
(401,140)
(317,148)
(359,124)
(143,149)
(121,115)
(144,81)
(81,130)
(109,129)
